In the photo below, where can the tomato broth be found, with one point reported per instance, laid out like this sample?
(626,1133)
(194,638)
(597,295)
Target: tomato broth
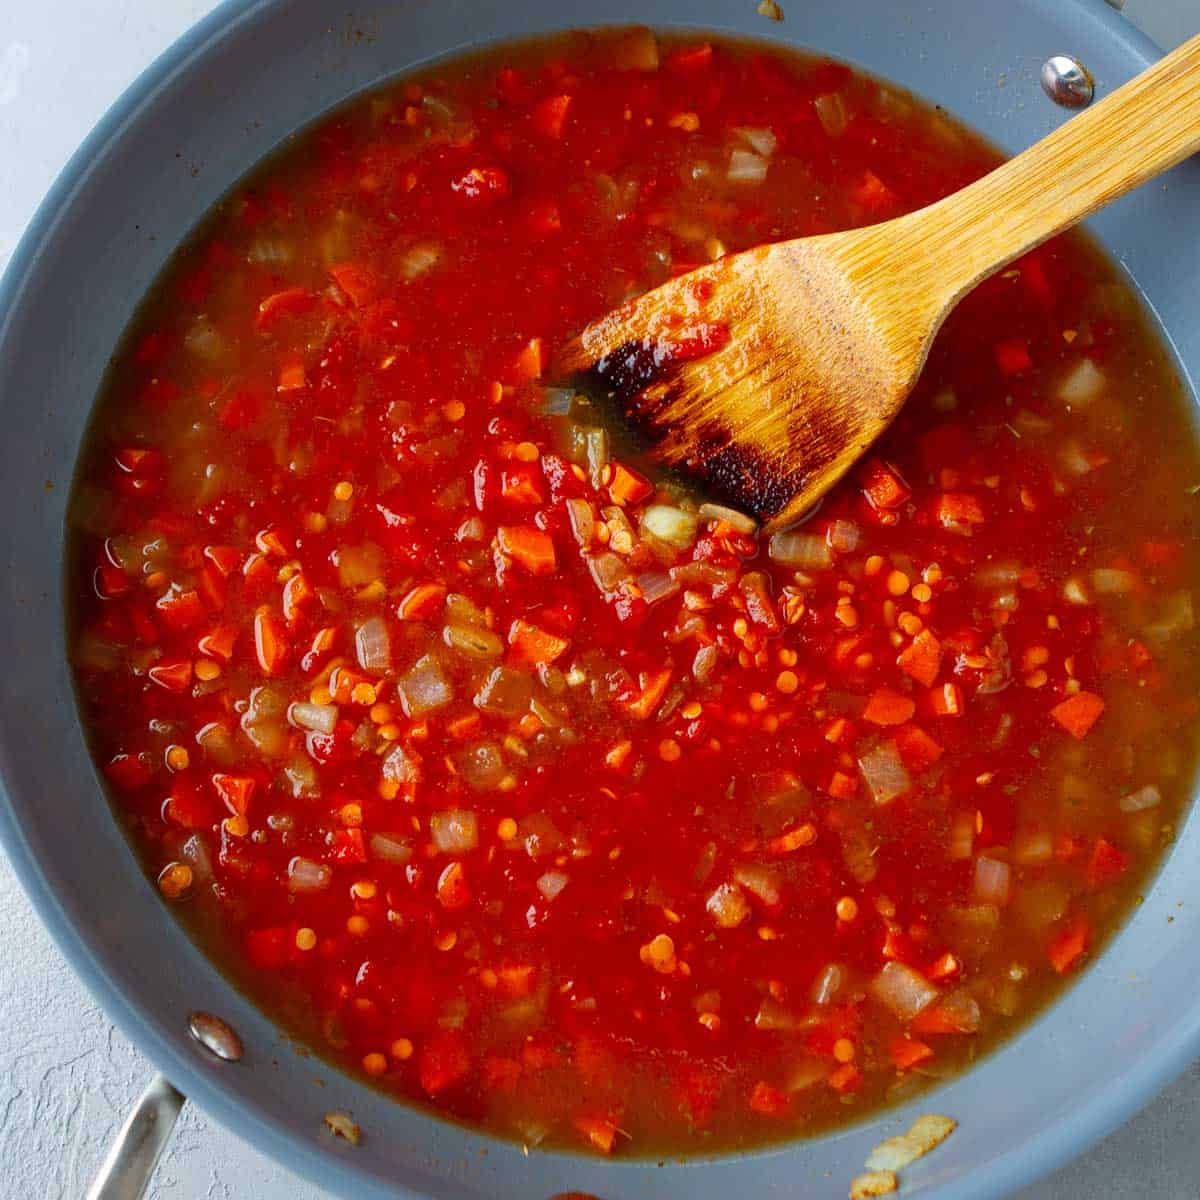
(541,790)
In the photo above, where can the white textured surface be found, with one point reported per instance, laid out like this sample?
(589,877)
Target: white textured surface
(67,1078)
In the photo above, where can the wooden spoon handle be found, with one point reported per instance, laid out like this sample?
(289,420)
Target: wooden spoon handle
(1137,132)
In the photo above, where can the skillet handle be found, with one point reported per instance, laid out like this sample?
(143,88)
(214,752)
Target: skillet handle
(131,1161)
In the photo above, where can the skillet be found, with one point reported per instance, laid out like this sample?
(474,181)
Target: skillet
(228,92)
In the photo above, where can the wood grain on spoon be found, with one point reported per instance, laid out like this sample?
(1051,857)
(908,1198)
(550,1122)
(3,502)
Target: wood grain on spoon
(768,373)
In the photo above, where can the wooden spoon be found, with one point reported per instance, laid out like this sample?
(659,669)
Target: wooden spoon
(768,373)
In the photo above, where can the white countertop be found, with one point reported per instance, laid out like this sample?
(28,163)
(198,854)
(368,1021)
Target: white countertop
(67,1078)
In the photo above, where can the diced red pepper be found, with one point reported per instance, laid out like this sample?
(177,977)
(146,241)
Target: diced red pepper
(1106,864)
(357,281)
(444,1062)
(290,302)
(128,772)
(1068,945)
(453,891)
(270,647)
(882,485)
(175,675)
(906,1052)
(422,603)
(533,646)
(768,1100)
(235,790)
(1012,356)
(886,707)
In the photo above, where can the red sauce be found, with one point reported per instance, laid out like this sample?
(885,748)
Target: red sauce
(511,776)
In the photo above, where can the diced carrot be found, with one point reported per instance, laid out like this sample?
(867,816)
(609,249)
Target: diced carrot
(842,786)
(1013,356)
(357,281)
(1078,713)
(529,546)
(956,509)
(1106,864)
(922,658)
(627,486)
(1068,945)
(917,748)
(882,485)
(272,541)
(464,727)
(219,641)
(269,645)
(887,707)
(908,1052)
(444,1062)
(289,302)
(533,646)
(453,892)
(521,485)
(768,1100)
(794,839)
(175,676)
(235,790)
(599,1131)
(550,116)
(946,701)
(653,686)
(422,603)
(836,730)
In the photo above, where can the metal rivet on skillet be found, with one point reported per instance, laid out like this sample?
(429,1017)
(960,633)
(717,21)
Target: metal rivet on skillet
(1067,81)
(216,1036)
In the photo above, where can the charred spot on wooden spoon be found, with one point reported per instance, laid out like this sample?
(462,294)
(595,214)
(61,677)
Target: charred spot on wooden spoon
(635,386)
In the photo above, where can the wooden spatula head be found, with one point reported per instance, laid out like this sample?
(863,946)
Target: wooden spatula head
(765,374)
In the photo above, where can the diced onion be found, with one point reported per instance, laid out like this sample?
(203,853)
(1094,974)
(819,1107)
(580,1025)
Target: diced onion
(538,834)
(705,663)
(320,718)
(482,766)
(902,990)
(608,570)
(993,879)
(761,882)
(831,112)
(557,401)
(304,875)
(884,773)
(807,551)
(505,692)
(761,141)
(194,852)
(1145,797)
(1033,849)
(373,645)
(636,51)
(551,884)
(656,586)
(843,537)
(672,525)
(727,906)
(390,848)
(1177,616)
(205,342)
(731,516)
(1082,384)
(424,688)
(962,837)
(583,521)
(454,831)
(473,641)
(1108,581)
(828,984)
(401,765)
(772,1017)
(746,167)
